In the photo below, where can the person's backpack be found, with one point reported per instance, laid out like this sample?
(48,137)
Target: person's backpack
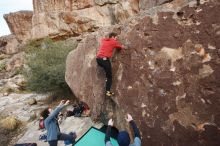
(41,124)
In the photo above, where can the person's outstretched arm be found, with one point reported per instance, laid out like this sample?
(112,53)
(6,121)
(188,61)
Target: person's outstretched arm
(107,135)
(108,132)
(135,129)
(137,139)
(117,45)
(56,111)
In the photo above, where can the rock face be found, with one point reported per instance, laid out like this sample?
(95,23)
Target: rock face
(9,44)
(15,62)
(20,24)
(167,77)
(146,4)
(57,18)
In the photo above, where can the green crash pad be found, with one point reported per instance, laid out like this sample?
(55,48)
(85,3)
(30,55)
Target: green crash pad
(94,137)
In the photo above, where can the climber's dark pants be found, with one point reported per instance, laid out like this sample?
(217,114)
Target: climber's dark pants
(62,136)
(106,65)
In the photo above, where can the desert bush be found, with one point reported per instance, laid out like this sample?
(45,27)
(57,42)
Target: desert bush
(10,123)
(9,129)
(2,65)
(7,90)
(46,61)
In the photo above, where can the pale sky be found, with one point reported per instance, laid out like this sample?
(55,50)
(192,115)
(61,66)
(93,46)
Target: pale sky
(7,6)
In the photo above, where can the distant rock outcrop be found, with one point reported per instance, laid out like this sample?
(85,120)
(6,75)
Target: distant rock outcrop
(167,78)
(57,18)
(60,19)
(20,24)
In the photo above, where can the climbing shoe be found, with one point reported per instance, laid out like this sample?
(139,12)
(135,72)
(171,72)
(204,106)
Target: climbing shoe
(108,93)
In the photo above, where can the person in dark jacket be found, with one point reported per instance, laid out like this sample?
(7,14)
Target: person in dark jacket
(52,126)
(123,136)
(103,58)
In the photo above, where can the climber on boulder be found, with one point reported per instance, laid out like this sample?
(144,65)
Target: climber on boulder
(123,136)
(103,58)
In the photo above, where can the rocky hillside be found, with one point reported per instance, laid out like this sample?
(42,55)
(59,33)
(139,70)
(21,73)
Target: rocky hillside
(167,77)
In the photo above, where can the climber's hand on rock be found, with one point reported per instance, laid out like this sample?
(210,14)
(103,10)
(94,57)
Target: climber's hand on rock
(110,122)
(124,47)
(129,118)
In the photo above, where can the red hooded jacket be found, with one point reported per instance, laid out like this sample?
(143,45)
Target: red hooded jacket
(107,46)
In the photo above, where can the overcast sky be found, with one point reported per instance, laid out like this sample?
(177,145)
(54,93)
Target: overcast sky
(7,6)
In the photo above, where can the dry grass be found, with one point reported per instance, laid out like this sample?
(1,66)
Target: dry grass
(10,123)
(10,137)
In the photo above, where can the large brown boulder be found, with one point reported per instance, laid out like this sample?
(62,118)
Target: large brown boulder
(167,78)
(20,24)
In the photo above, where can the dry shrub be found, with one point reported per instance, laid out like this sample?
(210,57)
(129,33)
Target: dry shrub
(10,123)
